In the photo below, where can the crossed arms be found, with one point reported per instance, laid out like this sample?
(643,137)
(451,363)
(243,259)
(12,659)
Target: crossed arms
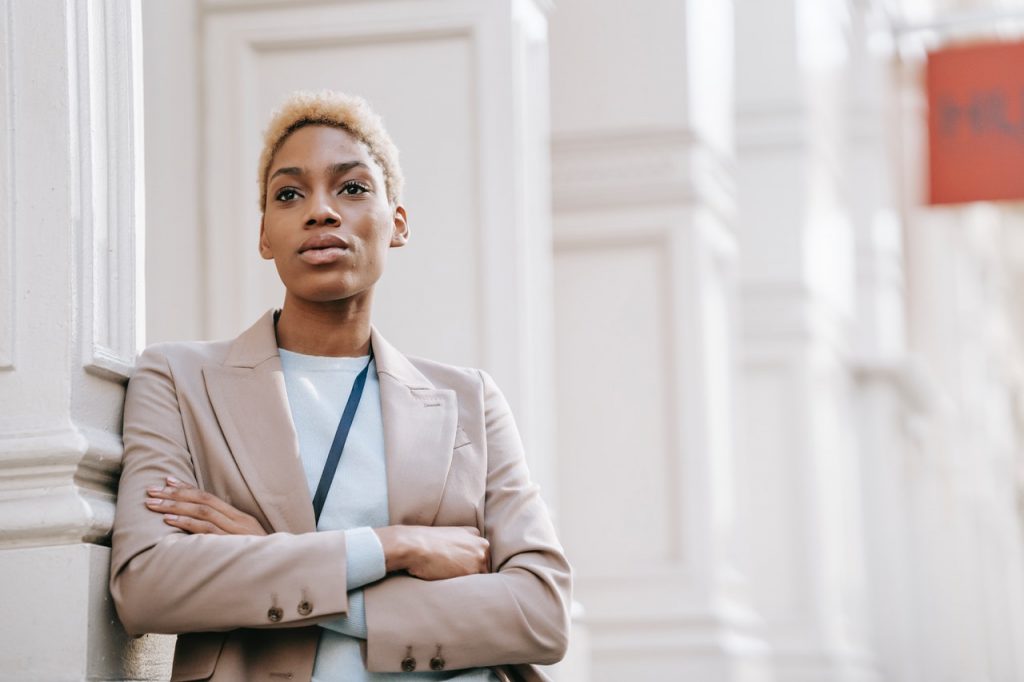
(166,577)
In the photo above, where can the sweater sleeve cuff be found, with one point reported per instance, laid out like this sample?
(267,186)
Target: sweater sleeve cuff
(364,557)
(352,623)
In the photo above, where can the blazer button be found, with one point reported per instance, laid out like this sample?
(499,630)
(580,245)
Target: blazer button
(275,614)
(437,663)
(305,608)
(408,664)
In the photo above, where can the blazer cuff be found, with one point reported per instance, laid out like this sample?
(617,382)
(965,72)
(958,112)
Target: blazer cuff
(364,557)
(352,623)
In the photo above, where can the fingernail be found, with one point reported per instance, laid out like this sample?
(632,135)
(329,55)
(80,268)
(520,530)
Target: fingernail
(154,502)
(173,481)
(154,488)
(171,517)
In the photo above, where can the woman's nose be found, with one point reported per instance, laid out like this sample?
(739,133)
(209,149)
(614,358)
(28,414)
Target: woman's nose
(323,213)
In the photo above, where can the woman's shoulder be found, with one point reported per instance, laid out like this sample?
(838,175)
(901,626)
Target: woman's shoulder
(446,375)
(182,354)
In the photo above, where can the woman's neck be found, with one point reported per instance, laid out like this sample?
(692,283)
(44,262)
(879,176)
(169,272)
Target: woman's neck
(337,328)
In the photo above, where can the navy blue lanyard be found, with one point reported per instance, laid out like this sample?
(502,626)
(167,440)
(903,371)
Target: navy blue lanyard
(340,436)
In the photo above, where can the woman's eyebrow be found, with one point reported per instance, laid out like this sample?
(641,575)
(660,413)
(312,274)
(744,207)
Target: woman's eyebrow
(342,168)
(290,170)
(334,169)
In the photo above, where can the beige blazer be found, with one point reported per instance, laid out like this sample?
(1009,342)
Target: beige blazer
(215,414)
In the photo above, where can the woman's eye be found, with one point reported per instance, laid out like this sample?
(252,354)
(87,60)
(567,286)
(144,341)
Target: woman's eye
(286,194)
(354,188)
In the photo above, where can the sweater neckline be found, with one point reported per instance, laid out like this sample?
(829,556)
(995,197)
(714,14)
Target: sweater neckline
(322,362)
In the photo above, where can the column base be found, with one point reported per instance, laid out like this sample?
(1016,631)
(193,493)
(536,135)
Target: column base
(691,650)
(60,622)
(836,666)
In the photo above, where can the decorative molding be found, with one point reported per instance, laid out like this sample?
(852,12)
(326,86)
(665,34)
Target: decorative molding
(910,379)
(107,170)
(764,126)
(74,470)
(7,195)
(781,318)
(649,168)
(959,23)
(697,642)
(212,6)
(215,6)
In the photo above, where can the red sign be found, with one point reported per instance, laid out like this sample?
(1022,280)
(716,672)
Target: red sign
(976,123)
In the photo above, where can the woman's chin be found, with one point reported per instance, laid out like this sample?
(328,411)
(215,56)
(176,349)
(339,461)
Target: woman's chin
(323,294)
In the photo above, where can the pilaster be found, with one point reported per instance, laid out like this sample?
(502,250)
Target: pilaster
(71,289)
(801,537)
(645,274)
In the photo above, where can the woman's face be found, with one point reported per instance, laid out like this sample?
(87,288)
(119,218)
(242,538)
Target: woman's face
(323,183)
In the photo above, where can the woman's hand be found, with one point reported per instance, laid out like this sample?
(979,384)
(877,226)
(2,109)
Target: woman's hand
(435,552)
(197,511)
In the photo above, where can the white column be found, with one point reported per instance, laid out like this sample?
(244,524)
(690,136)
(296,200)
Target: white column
(70,327)
(892,389)
(800,491)
(644,274)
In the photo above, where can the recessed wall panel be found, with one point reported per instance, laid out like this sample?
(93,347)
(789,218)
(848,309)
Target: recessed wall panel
(617,510)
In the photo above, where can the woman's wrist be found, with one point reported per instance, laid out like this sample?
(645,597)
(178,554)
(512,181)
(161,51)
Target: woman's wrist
(396,548)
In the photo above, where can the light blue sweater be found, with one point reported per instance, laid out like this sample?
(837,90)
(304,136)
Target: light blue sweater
(318,388)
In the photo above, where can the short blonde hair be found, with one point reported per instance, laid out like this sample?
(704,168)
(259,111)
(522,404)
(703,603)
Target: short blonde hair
(340,110)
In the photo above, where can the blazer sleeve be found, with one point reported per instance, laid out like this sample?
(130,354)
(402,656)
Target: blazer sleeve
(518,613)
(164,580)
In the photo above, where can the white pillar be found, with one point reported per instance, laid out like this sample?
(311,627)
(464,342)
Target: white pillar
(644,270)
(893,393)
(800,492)
(70,327)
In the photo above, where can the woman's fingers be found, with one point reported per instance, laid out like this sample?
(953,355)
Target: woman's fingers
(439,552)
(171,503)
(192,525)
(191,493)
(206,510)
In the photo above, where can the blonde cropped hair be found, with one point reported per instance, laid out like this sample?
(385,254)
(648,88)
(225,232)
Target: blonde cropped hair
(340,110)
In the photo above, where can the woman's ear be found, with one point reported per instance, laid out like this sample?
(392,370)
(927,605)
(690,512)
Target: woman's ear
(264,245)
(400,235)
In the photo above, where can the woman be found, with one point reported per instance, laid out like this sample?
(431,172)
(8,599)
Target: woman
(434,554)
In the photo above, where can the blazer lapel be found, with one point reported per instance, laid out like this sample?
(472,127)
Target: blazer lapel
(250,401)
(420,429)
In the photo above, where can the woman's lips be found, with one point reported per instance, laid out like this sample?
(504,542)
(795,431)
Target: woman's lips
(321,256)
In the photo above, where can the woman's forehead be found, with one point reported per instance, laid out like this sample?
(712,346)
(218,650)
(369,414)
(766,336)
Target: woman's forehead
(318,147)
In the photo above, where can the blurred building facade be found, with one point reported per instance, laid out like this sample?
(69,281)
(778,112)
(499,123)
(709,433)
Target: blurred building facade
(817,474)
(773,399)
